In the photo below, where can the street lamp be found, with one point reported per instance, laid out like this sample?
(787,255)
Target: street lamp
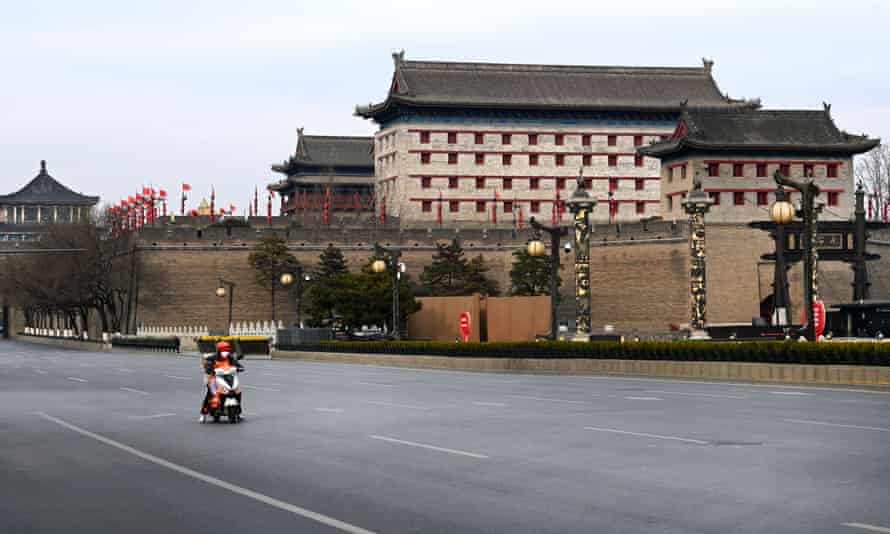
(535,247)
(389,259)
(782,213)
(696,206)
(809,192)
(287,279)
(226,288)
(581,204)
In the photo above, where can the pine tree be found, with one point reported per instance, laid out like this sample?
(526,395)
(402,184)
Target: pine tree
(530,275)
(476,280)
(451,274)
(270,259)
(331,263)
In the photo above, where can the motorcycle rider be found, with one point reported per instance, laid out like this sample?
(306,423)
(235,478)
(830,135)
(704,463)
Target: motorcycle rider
(222,355)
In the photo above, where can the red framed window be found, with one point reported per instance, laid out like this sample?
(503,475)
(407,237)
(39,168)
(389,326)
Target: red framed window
(713,169)
(785,169)
(559,139)
(639,184)
(641,208)
(535,206)
(738,198)
(831,170)
(638,161)
(588,183)
(480,159)
(533,139)
(560,183)
(452,138)
(454,206)
(833,198)
(560,160)
(683,171)
(809,170)
(613,161)
(425,137)
(479,138)
(638,140)
(426,182)
(506,139)
(507,159)
(532,159)
(452,182)
(452,158)
(425,158)
(715,196)
(761,170)
(534,183)
(480,206)
(508,206)
(612,140)
(613,184)
(762,198)
(508,183)
(585,140)
(426,206)
(738,170)
(670,203)
(586,160)
(480,183)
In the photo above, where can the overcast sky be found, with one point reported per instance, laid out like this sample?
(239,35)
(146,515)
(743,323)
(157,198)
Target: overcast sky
(118,94)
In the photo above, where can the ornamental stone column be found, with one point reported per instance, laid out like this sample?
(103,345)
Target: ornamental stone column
(696,206)
(581,204)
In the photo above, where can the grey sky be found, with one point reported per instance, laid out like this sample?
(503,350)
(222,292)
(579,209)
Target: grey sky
(118,94)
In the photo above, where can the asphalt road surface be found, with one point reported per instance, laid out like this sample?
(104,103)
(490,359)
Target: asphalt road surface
(110,442)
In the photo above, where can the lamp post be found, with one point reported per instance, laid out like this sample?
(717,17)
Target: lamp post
(696,206)
(782,213)
(300,277)
(389,259)
(535,248)
(581,204)
(860,274)
(226,288)
(809,191)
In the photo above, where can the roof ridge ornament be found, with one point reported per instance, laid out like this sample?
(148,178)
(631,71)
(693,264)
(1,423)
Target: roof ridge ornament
(398,58)
(43,166)
(708,64)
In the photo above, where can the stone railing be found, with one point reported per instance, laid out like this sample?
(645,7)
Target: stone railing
(182,332)
(256,328)
(63,333)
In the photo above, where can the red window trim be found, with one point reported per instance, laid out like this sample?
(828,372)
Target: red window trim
(452,182)
(560,160)
(453,206)
(613,160)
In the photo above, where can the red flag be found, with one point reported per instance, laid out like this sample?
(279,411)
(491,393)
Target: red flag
(212,204)
(494,209)
(383,211)
(162,193)
(231,209)
(146,191)
(886,208)
(131,200)
(520,218)
(256,200)
(269,210)
(186,187)
(870,211)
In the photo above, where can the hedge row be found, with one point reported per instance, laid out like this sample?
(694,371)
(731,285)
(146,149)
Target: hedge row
(162,344)
(762,352)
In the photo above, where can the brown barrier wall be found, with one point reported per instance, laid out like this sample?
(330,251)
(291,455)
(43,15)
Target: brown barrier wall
(517,318)
(438,318)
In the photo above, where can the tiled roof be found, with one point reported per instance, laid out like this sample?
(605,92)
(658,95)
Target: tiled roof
(330,151)
(492,85)
(799,130)
(44,189)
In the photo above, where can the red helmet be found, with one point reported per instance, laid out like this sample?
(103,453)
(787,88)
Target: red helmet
(223,346)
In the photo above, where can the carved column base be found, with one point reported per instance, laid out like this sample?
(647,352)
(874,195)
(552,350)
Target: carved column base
(698,335)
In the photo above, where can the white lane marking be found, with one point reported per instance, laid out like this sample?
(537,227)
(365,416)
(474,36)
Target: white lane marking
(76,379)
(155,416)
(643,398)
(271,501)
(840,425)
(547,399)
(126,370)
(426,446)
(175,377)
(738,384)
(394,405)
(479,403)
(260,388)
(715,395)
(40,371)
(645,435)
(139,391)
(329,410)
(864,526)
(377,384)
(800,393)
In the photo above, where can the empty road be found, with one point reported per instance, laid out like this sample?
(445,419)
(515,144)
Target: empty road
(109,442)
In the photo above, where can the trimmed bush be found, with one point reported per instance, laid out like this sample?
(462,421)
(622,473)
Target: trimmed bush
(730,351)
(160,344)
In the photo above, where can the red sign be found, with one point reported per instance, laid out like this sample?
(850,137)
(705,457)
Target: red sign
(818,317)
(464,323)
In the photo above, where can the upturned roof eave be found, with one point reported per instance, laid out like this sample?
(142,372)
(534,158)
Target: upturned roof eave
(673,147)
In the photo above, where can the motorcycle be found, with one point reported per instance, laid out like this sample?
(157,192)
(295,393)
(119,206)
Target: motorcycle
(225,402)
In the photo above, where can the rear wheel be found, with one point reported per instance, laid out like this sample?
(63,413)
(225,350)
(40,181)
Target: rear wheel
(216,418)
(232,414)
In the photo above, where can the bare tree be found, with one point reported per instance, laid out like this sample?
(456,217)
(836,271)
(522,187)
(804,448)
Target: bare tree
(873,171)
